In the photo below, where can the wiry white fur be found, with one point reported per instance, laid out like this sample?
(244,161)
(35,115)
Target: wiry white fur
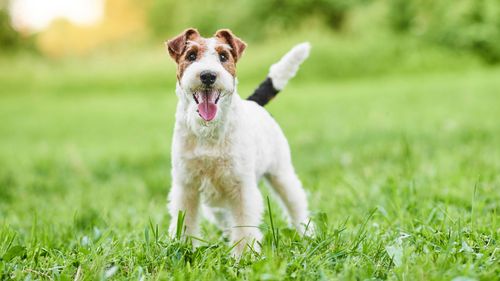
(287,67)
(218,164)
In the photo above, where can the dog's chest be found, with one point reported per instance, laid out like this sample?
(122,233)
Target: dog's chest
(212,167)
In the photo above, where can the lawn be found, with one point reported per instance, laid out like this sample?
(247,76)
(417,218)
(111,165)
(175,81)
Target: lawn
(402,172)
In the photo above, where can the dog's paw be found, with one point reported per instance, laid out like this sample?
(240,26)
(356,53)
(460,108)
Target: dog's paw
(239,250)
(246,244)
(307,229)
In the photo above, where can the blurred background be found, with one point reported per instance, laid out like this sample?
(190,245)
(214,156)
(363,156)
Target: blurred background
(87,91)
(87,88)
(396,109)
(396,35)
(59,54)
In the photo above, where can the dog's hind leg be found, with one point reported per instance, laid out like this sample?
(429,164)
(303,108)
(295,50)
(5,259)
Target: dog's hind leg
(289,189)
(218,217)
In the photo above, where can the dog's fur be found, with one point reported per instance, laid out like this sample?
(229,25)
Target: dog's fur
(218,160)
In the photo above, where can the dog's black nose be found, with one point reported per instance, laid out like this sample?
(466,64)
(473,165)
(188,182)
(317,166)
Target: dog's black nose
(208,77)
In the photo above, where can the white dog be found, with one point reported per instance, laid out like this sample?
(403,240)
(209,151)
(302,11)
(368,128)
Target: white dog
(223,145)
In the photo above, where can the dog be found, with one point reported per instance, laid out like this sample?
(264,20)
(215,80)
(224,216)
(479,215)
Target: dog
(223,145)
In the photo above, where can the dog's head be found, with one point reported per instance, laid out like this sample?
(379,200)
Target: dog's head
(206,68)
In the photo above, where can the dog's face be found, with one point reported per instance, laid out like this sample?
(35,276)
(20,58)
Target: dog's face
(206,68)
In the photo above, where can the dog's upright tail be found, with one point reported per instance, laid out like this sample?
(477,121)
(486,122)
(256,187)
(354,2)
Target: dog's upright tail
(280,73)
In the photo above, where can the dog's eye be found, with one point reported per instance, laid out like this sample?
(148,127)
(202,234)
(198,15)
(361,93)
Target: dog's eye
(223,57)
(191,56)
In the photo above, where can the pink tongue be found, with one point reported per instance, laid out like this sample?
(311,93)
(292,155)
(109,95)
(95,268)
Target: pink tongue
(207,108)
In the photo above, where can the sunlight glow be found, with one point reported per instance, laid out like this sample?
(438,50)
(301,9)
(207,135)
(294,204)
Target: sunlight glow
(36,15)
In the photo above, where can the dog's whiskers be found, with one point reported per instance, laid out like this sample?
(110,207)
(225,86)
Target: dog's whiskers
(218,97)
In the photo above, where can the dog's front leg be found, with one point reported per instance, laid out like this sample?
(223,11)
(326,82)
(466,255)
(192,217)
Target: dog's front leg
(246,215)
(184,198)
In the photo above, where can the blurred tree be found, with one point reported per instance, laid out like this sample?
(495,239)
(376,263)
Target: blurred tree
(477,28)
(401,15)
(9,37)
(292,13)
(168,17)
(335,11)
(470,25)
(249,18)
(161,16)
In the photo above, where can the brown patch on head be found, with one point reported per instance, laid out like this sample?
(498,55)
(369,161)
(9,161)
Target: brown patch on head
(189,47)
(193,52)
(225,57)
(237,45)
(185,49)
(177,45)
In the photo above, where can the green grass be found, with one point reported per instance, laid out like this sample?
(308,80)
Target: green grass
(402,171)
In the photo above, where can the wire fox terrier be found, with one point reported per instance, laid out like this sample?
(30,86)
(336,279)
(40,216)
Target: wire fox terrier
(223,145)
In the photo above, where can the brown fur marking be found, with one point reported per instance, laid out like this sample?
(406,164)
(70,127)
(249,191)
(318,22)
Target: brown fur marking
(237,45)
(199,46)
(189,41)
(230,63)
(177,45)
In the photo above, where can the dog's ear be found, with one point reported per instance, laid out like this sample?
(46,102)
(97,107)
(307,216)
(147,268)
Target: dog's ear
(237,45)
(176,45)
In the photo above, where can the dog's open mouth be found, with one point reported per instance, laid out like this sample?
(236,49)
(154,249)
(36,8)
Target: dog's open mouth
(207,99)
